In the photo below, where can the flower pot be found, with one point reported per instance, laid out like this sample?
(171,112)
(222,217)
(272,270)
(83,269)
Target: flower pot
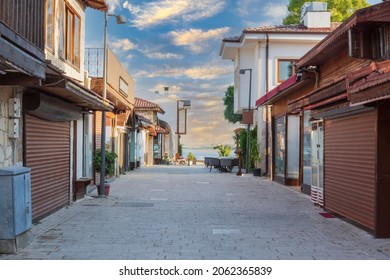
(256,171)
(106,189)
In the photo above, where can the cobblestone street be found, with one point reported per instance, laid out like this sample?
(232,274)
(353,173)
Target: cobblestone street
(187,212)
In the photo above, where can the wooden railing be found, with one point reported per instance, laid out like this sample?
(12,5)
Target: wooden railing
(25,17)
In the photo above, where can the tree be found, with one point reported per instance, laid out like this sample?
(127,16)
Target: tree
(228,101)
(340,9)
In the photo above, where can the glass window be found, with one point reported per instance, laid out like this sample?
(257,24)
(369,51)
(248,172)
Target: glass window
(50,8)
(293,146)
(69,43)
(76,49)
(307,130)
(88,146)
(280,144)
(285,69)
(61,27)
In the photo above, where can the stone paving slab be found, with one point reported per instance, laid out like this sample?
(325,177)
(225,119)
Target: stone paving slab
(187,212)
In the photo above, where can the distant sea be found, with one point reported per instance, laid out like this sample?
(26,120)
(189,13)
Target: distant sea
(200,153)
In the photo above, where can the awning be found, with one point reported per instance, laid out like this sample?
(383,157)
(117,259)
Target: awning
(17,55)
(119,101)
(71,91)
(369,84)
(332,92)
(164,125)
(97,4)
(276,91)
(160,130)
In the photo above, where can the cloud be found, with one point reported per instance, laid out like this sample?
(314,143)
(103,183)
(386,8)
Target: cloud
(112,5)
(160,55)
(155,12)
(245,7)
(272,12)
(206,72)
(276,11)
(123,45)
(197,40)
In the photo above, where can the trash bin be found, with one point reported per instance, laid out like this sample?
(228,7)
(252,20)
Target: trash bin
(15,208)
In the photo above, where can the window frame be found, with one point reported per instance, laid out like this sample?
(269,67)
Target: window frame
(278,61)
(370,42)
(52,23)
(70,35)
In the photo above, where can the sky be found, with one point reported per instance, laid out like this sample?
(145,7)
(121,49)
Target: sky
(175,44)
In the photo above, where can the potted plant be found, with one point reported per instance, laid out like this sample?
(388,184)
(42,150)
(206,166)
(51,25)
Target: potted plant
(254,153)
(190,158)
(109,166)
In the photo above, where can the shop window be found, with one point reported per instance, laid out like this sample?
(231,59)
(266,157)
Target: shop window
(293,146)
(49,23)
(307,131)
(88,146)
(280,144)
(285,69)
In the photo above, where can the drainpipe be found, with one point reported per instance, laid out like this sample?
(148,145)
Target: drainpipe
(266,106)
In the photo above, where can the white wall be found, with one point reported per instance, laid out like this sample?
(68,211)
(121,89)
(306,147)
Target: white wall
(278,50)
(247,61)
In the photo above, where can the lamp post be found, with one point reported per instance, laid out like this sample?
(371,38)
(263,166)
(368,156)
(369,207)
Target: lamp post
(119,20)
(186,105)
(242,72)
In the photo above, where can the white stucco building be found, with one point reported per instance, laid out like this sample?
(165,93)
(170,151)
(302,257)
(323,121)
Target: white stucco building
(269,53)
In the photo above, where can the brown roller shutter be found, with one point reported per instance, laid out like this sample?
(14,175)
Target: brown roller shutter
(48,156)
(350,152)
(98,129)
(98,139)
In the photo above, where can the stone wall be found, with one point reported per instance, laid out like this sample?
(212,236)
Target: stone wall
(11,150)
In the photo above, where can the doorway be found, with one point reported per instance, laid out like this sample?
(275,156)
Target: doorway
(317,163)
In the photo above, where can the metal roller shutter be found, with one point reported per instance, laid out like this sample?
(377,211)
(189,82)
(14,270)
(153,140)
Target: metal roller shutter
(98,139)
(350,152)
(48,156)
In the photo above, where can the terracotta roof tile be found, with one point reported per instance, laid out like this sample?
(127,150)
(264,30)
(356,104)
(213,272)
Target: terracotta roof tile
(291,28)
(146,104)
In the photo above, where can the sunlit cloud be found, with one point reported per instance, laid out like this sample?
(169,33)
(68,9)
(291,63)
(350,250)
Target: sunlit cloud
(203,73)
(161,55)
(197,40)
(155,13)
(123,45)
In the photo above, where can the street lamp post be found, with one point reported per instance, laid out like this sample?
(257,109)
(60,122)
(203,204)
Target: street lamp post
(119,20)
(186,105)
(242,72)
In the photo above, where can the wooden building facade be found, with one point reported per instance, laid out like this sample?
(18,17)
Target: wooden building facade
(339,106)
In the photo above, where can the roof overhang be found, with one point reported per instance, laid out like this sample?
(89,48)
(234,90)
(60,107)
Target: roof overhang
(116,98)
(17,55)
(73,92)
(375,13)
(292,84)
(97,4)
